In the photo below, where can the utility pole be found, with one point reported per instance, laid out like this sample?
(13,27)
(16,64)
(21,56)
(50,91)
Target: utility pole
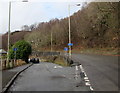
(9,32)
(51,41)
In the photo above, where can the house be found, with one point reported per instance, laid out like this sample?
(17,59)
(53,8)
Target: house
(3,53)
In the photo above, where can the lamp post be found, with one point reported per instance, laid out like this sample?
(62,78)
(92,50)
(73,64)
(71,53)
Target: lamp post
(70,51)
(9,28)
(51,41)
(9,31)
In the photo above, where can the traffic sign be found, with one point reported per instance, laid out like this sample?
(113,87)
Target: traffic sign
(15,49)
(70,44)
(66,49)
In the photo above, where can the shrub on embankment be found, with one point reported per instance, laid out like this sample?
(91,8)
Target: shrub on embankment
(23,50)
(56,59)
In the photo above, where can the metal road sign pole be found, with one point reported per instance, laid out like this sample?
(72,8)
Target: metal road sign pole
(15,57)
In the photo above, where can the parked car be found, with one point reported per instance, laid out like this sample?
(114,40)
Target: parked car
(34,60)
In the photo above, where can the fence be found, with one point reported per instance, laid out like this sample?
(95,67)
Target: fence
(36,53)
(11,64)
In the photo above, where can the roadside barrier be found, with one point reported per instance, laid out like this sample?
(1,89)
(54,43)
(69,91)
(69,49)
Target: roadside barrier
(36,53)
(11,64)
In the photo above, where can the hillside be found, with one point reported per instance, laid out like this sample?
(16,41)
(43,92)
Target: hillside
(14,37)
(95,26)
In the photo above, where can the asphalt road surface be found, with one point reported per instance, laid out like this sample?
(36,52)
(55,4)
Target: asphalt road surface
(101,73)
(50,77)
(0,80)
(101,70)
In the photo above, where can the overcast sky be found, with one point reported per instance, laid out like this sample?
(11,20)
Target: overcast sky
(34,11)
(27,13)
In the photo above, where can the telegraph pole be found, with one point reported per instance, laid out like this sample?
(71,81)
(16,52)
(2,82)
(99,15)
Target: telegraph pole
(9,32)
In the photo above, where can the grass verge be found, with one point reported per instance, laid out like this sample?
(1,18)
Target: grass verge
(55,59)
(60,61)
(100,51)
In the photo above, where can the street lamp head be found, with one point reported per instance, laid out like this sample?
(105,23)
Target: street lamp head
(78,4)
(25,1)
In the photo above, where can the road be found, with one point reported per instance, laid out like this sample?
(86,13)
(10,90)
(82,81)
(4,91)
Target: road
(101,70)
(49,77)
(0,80)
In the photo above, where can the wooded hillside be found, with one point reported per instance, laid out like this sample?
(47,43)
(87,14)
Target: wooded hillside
(14,37)
(95,26)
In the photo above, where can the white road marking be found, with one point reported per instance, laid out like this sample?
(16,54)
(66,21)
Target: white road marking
(82,70)
(76,73)
(87,84)
(87,81)
(55,67)
(85,74)
(85,78)
(91,88)
(76,67)
(58,67)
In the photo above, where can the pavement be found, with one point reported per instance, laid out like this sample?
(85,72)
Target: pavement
(101,70)
(7,75)
(49,77)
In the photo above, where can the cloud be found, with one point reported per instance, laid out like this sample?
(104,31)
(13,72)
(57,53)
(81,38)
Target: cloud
(32,12)
(36,11)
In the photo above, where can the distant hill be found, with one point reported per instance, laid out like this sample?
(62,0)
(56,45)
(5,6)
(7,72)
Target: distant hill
(14,37)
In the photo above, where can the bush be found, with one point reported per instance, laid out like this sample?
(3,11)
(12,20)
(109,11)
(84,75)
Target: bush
(23,50)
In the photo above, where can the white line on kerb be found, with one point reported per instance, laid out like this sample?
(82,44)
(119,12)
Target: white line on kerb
(87,81)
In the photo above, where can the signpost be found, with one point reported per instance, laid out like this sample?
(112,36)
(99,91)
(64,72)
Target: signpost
(15,49)
(70,44)
(65,49)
